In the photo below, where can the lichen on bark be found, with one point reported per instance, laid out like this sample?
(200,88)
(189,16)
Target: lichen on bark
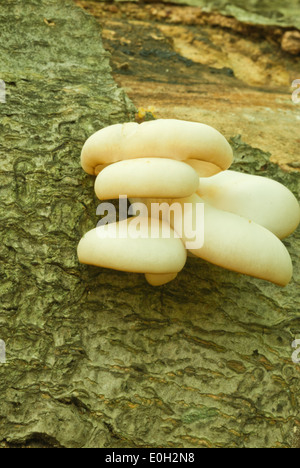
(98,358)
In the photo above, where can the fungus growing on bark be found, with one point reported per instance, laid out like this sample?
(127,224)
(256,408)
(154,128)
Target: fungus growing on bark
(167,161)
(121,246)
(263,200)
(147,177)
(241,245)
(191,142)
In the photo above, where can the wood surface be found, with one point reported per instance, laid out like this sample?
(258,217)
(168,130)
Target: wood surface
(99,358)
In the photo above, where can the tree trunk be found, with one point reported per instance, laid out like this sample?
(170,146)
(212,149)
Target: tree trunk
(99,358)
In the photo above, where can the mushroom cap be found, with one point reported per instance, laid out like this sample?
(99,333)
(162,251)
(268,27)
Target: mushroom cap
(116,246)
(240,245)
(147,177)
(163,138)
(263,200)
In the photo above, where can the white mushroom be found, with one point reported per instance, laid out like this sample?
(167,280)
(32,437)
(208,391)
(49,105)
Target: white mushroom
(234,243)
(122,246)
(204,168)
(163,138)
(147,177)
(159,280)
(160,161)
(240,245)
(262,200)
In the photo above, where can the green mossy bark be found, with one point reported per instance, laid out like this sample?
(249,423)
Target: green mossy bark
(98,358)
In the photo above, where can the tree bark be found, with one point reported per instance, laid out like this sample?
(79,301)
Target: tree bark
(98,358)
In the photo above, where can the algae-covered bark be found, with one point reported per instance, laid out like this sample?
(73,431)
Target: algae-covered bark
(98,358)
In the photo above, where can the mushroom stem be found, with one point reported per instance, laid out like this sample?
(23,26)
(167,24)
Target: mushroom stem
(159,280)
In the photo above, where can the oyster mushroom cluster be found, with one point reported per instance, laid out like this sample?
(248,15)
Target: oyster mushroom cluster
(245,217)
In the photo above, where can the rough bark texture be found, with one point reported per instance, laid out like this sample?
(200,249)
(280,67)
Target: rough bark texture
(97,358)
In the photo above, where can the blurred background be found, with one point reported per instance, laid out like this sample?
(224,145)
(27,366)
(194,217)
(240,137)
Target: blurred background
(230,64)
